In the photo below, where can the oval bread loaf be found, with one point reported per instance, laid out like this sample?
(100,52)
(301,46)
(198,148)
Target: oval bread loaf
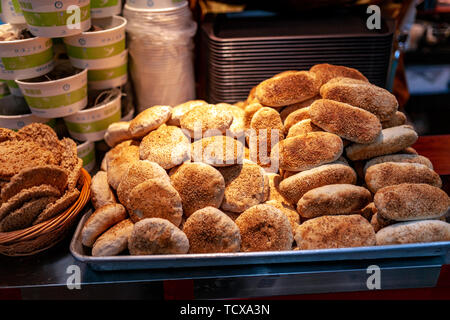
(101,193)
(295,117)
(148,120)
(361,94)
(114,240)
(335,232)
(333,199)
(157,236)
(294,187)
(306,152)
(167,146)
(351,123)
(303,127)
(264,228)
(414,232)
(287,88)
(390,140)
(400,157)
(410,201)
(325,72)
(397,119)
(117,132)
(391,173)
(100,221)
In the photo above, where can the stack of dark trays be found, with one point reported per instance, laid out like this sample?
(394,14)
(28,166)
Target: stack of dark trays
(241,50)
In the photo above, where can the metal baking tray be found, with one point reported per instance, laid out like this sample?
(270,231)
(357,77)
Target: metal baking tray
(177,261)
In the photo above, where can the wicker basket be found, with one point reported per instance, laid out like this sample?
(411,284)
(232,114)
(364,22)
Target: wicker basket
(43,236)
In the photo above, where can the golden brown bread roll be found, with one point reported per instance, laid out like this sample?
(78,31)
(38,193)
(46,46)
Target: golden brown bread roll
(249,111)
(294,187)
(264,228)
(414,232)
(361,94)
(114,240)
(288,211)
(101,220)
(295,117)
(303,127)
(287,88)
(119,165)
(410,201)
(245,186)
(285,112)
(333,199)
(218,151)
(397,119)
(209,230)
(117,132)
(308,151)
(206,120)
(335,232)
(348,122)
(274,180)
(390,140)
(148,120)
(138,172)
(157,236)
(391,173)
(325,72)
(399,157)
(101,193)
(155,198)
(199,185)
(265,128)
(167,146)
(181,109)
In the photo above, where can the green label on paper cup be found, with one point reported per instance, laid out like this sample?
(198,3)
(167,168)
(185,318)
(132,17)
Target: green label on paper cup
(94,126)
(107,74)
(57,101)
(54,19)
(16,6)
(103,3)
(30,61)
(96,52)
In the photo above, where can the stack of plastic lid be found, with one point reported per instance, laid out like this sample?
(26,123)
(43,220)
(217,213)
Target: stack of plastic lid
(84,91)
(160,42)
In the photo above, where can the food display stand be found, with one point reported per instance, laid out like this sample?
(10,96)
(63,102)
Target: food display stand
(415,266)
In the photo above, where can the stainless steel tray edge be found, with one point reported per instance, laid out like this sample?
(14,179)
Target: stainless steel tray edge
(127,262)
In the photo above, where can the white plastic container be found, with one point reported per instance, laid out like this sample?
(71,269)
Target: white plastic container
(160,47)
(10,12)
(99,49)
(155,4)
(105,8)
(91,124)
(25,59)
(19,121)
(86,151)
(56,18)
(57,98)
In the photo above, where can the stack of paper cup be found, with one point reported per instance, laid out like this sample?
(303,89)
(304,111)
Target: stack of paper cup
(105,8)
(160,45)
(60,18)
(102,52)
